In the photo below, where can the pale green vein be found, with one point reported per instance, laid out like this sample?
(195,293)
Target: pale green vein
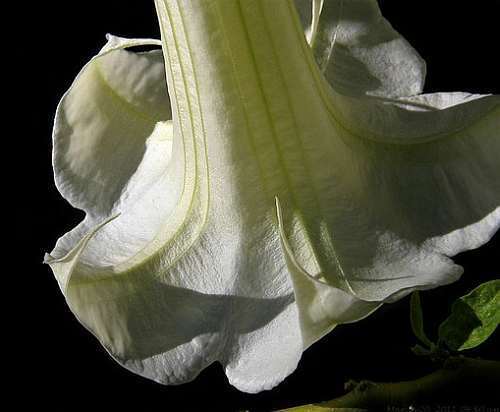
(202,121)
(266,105)
(130,272)
(274,134)
(325,235)
(251,138)
(191,120)
(298,139)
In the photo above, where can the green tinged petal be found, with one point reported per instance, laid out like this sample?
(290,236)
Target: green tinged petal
(103,121)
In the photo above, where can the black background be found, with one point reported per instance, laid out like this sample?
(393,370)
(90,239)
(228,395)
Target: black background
(57,363)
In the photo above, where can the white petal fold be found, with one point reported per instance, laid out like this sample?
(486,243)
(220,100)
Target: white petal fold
(424,185)
(103,121)
(321,306)
(358,50)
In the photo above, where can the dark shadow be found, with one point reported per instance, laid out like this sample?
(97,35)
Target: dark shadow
(346,73)
(349,75)
(159,317)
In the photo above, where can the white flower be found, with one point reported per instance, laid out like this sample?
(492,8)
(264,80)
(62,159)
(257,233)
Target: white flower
(186,257)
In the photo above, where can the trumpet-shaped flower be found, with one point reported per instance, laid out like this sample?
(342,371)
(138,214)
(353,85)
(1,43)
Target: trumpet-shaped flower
(284,184)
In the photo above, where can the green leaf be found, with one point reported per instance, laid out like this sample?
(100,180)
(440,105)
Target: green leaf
(417,320)
(474,317)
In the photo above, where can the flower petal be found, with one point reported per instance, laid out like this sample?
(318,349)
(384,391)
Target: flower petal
(358,50)
(261,359)
(425,185)
(321,306)
(168,323)
(103,121)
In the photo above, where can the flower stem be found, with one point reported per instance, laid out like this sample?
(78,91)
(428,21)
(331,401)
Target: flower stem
(460,381)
